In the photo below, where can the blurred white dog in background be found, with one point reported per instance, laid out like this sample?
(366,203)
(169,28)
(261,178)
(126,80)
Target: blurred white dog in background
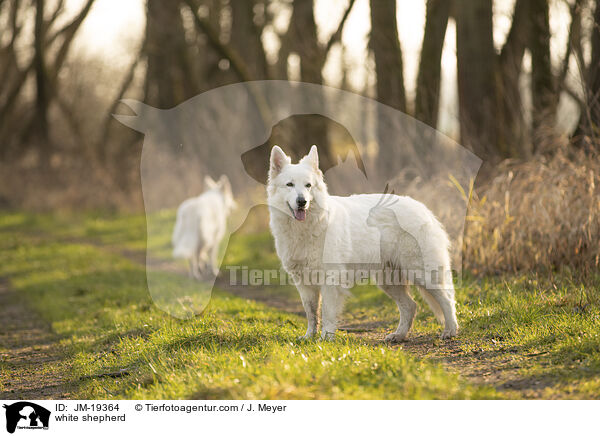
(200,226)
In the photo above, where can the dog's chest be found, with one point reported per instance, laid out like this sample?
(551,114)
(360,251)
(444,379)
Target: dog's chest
(299,248)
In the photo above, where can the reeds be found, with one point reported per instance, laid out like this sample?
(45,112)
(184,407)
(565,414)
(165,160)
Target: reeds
(539,214)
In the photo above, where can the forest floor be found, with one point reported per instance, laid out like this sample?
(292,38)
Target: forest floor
(78,322)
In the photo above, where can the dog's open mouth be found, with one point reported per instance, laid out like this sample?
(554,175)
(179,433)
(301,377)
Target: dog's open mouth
(299,214)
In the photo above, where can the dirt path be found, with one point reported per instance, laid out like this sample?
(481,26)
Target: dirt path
(32,365)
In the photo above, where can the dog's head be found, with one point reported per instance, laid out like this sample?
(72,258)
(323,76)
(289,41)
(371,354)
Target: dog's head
(294,188)
(224,186)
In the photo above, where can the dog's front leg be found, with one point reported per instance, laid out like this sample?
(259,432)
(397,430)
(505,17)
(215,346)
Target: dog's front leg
(332,303)
(310,301)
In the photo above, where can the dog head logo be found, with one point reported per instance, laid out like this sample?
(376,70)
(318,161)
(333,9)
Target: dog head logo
(26,415)
(231,130)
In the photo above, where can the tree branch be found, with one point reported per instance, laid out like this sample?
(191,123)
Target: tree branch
(235,60)
(102,145)
(9,49)
(69,30)
(574,32)
(55,14)
(511,54)
(71,27)
(337,35)
(224,50)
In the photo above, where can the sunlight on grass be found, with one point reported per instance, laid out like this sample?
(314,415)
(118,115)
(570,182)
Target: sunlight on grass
(97,301)
(544,328)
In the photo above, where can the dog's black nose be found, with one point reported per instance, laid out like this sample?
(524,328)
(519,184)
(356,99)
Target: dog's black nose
(301,202)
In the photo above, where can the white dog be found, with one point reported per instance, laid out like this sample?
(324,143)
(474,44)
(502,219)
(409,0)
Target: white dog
(315,231)
(200,226)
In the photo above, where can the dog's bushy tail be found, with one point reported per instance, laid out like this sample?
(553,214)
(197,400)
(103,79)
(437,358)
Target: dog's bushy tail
(439,256)
(433,304)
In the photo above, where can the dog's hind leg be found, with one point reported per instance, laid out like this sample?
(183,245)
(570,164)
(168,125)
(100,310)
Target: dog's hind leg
(191,267)
(444,297)
(310,301)
(407,308)
(214,256)
(202,264)
(193,263)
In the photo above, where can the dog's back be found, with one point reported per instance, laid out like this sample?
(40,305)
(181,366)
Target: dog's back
(200,222)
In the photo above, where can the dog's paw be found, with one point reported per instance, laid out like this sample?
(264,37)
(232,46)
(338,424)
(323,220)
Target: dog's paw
(395,338)
(449,333)
(306,337)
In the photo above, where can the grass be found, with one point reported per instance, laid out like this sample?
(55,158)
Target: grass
(98,303)
(536,336)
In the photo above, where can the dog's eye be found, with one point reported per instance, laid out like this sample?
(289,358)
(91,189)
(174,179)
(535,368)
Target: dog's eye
(308,185)
(290,184)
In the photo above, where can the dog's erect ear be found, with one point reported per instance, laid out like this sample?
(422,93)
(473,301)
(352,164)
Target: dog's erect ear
(224,183)
(312,158)
(209,183)
(223,180)
(278,160)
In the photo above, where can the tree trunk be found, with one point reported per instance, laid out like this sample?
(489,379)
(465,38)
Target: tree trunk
(169,79)
(544,99)
(304,42)
(587,134)
(385,45)
(476,61)
(41,82)
(594,71)
(513,135)
(428,79)
(246,38)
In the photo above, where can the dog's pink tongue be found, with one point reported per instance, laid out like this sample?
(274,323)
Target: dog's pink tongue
(300,214)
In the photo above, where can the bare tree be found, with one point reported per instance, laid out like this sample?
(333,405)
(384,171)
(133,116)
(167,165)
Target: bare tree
(50,50)
(543,89)
(587,134)
(169,77)
(386,49)
(301,39)
(246,37)
(305,43)
(476,61)
(513,139)
(385,46)
(41,81)
(428,79)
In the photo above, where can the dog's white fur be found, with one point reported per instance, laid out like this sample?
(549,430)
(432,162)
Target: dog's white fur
(403,235)
(200,226)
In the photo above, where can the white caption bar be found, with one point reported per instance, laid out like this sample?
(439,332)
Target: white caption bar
(264,418)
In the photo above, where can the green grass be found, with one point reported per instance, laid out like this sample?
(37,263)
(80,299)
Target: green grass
(98,303)
(72,269)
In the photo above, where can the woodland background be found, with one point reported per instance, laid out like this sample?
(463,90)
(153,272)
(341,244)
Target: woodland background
(534,202)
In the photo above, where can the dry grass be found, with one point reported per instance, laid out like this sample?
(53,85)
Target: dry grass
(540,214)
(69,184)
